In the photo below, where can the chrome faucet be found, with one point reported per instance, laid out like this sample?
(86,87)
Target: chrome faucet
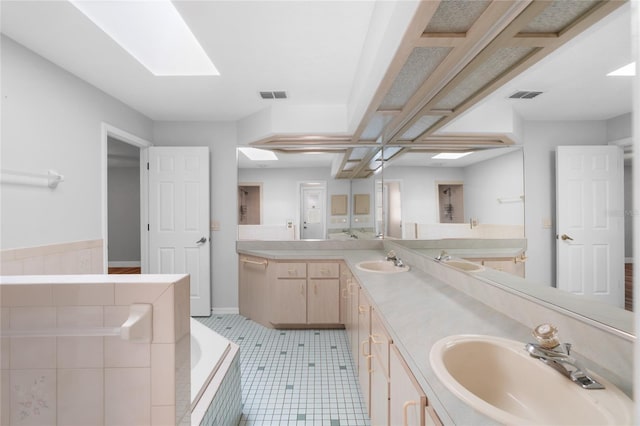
(396,260)
(443,256)
(557,356)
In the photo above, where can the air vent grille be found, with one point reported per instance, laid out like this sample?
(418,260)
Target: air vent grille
(525,94)
(274,94)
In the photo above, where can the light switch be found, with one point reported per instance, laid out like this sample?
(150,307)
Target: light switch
(546,223)
(215,225)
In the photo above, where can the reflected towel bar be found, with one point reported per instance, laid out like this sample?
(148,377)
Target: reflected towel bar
(254,262)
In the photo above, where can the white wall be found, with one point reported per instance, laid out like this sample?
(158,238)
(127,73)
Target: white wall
(485,182)
(221,140)
(52,120)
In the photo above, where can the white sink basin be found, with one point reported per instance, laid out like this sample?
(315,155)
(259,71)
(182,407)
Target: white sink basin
(498,378)
(381,267)
(464,265)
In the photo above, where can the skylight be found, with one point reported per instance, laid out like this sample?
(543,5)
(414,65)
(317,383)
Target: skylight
(450,155)
(256,154)
(628,70)
(153,32)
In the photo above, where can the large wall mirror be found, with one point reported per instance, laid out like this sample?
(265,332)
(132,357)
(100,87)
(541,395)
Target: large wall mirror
(297,196)
(416,197)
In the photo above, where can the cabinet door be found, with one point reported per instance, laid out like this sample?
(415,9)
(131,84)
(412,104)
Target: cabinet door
(345,279)
(407,402)
(323,301)
(289,301)
(379,408)
(253,287)
(364,349)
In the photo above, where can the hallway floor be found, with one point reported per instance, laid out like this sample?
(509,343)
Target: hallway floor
(295,377)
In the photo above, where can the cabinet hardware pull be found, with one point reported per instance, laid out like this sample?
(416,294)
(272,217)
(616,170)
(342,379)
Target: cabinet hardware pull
(292,271)
(406,405)
(362,348)
(362,309)
(264,262)
(374,341)
(371,370)
(344,295)
(520,259)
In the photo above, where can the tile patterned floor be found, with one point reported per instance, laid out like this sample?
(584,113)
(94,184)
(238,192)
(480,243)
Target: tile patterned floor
(295,377)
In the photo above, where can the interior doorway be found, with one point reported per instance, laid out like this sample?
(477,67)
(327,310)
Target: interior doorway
(451,203)
(123,207)
(249,204)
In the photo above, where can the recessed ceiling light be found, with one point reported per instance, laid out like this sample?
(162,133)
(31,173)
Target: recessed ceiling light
(153,32)
(256,154)
(450,155)
(628,70)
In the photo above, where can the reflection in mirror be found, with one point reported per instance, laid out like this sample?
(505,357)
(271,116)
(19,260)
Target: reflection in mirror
(302,199)
(479,195)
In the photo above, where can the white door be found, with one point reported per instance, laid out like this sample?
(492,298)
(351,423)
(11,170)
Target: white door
(313,212)
(589,219)
(179,218)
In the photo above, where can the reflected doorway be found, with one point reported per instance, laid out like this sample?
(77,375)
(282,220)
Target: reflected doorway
(451,203)
(312,210)
(249,204)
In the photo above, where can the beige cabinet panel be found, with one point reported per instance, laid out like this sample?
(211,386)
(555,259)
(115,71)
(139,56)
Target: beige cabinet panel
(289,301)
(291,270)
(379,410)
(361,204)
(380,341)
(407,402)
(364,349)
(253,288)
(323,301)
(339,204)
(324,270)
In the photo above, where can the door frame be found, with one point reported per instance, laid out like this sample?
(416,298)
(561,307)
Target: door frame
(107,130)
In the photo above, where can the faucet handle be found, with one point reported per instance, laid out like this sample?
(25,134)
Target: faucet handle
(547,335)
(391,254)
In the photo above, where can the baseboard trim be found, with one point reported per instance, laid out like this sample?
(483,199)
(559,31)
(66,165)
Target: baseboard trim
(225,311)
(124,264)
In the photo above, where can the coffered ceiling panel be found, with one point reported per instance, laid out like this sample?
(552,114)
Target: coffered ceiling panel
(558,15)
(456,16)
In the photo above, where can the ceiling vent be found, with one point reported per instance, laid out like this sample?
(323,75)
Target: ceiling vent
(276,94)
(525,94)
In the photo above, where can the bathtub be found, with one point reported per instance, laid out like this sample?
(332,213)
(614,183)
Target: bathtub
(216,397)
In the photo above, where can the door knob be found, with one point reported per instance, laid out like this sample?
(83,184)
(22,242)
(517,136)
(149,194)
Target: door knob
(201,240)
(565,237)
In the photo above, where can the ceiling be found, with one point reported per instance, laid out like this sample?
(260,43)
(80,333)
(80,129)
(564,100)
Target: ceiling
(310,49)
(314,50)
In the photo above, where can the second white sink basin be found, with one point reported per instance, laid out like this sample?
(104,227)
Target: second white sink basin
(381,266)
(498,378)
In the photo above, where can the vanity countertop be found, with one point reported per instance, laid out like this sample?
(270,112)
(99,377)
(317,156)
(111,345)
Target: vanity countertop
(419,309)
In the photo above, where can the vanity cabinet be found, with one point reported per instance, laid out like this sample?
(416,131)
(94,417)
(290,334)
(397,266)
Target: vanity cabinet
(305,293)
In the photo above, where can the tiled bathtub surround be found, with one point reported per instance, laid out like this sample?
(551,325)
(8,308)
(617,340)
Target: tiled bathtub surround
(79,257)
(92,380)
(297,377)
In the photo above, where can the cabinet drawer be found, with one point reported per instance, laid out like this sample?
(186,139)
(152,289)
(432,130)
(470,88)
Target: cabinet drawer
(291,270)
(324,270)
(380,341)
